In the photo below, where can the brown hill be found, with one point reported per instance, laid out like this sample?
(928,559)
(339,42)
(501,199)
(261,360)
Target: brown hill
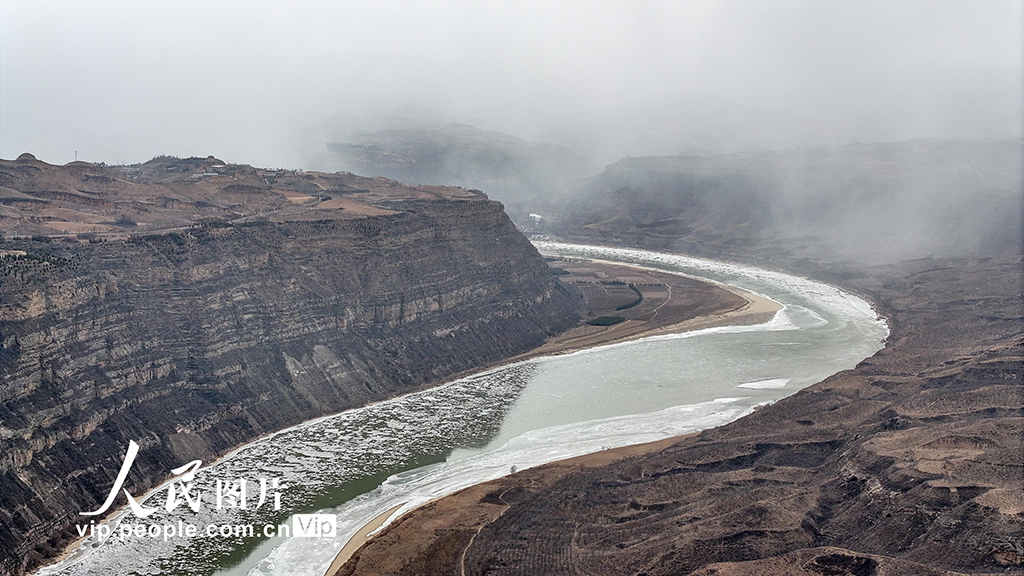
(167,193)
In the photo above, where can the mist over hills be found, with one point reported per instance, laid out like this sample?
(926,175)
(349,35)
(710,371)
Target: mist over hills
(706,175)
(867,202)
(683,124)
(731,191)
(874,202)
(519,173)
(533,161)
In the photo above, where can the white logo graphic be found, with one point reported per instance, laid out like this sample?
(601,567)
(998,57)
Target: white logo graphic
(230,494)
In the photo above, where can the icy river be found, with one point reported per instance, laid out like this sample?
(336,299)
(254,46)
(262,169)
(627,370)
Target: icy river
(408,450)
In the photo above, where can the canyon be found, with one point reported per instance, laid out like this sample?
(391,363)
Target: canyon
(208,304)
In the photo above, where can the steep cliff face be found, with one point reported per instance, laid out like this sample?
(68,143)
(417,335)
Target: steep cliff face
(192,342)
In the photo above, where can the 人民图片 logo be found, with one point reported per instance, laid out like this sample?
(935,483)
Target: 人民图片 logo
(229,494)
(240,494)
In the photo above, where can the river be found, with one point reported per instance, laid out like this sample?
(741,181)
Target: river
(408,450)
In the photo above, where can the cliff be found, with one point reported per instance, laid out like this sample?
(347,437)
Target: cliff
(194,340)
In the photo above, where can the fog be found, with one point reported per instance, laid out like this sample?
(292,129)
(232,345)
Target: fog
(271,83)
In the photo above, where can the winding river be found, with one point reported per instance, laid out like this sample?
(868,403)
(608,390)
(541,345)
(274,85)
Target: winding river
(408,450)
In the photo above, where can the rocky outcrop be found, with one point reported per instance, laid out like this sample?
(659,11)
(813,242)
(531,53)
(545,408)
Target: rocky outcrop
(193,341)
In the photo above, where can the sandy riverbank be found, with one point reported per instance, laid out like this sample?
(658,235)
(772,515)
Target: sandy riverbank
(671,304)
(360,537)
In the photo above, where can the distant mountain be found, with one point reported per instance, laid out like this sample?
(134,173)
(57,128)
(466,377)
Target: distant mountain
(519,173)
(870,202)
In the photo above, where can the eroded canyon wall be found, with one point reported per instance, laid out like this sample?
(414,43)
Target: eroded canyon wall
(195,341)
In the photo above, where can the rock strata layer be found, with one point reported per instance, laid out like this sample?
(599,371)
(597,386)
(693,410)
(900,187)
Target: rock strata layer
(196,340)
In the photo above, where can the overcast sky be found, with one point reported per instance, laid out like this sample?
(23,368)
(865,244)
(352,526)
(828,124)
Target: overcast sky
(253,81)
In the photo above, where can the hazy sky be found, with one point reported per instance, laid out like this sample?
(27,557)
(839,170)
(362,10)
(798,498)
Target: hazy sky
(253,81)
